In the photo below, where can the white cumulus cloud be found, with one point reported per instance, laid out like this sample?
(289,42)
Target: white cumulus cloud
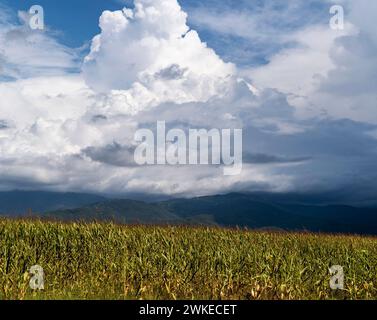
(149,56)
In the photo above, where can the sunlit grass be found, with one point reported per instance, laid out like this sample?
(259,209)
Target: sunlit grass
(107,261)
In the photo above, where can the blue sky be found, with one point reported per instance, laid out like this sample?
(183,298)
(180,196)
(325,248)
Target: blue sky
(76,20)
(76,23)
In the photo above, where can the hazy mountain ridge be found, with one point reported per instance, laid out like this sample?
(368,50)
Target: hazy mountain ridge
(243,210)
(20,202)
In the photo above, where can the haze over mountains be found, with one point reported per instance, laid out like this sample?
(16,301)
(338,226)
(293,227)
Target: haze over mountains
(20,202)
(256,211)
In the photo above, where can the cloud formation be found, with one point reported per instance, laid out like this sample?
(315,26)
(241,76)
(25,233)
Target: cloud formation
(149,54)
(26,53)
(330,73)
(307,113)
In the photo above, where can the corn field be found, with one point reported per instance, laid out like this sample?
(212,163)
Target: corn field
(108,261)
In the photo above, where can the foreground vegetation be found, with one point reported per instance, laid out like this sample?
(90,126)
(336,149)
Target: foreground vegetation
(107,261)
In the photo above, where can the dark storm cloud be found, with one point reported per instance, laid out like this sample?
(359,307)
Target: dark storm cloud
(260,158)
(3,124)
(112,154)
(173,72)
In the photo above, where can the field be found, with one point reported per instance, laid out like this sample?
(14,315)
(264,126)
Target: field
(107,261)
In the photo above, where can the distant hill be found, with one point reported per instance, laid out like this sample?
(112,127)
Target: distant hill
(231,210)
(255,212)
(19,202)
(243,210)
(122,211)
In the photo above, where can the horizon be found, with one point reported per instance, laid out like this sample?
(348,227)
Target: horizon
(319,199)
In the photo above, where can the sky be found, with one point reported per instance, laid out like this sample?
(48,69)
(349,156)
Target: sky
(305,94)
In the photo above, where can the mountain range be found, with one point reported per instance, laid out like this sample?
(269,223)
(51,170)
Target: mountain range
(255,211)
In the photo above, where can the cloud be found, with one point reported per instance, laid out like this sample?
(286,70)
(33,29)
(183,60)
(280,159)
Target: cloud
(297,71)
(351,85)
(3,125)
(74,130)
(250,32)
(27,53)
(329,72)
(50,97)
(149,54)
(261,158)
(114,154)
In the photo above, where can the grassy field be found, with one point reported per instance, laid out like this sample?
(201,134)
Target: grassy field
(106,261)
